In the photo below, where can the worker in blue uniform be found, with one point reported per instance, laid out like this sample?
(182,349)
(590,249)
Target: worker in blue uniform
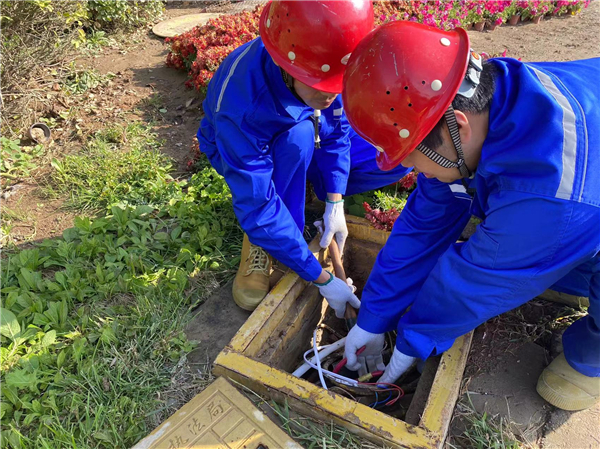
(515,144)
(273,120)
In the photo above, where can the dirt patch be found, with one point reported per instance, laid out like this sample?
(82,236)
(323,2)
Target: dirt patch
(214,325)
(38,218)
(159,93)
(561,38)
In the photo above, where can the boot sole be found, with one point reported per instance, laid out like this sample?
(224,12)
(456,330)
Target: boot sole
(561,401)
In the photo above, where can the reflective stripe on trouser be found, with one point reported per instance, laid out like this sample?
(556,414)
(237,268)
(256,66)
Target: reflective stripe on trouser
(364,173)
(581,341)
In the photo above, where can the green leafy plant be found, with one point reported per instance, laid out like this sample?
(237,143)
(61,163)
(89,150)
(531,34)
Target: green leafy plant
(96,39)
(92,323)
(79,81)
(114,14)
(18,161)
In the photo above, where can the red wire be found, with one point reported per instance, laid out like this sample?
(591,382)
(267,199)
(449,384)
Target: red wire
(392,387)
(343,362)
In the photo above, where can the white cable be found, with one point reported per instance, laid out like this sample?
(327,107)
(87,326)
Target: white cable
(331,375)
(323,352)
(319,369)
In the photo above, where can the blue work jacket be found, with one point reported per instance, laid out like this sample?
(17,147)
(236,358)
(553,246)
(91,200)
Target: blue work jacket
(538,193)
(260,137)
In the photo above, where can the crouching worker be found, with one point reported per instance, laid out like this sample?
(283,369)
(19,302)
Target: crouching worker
(516,144)
(273,120)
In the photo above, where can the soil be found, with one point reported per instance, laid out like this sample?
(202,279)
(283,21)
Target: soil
(502,367)
(561,38)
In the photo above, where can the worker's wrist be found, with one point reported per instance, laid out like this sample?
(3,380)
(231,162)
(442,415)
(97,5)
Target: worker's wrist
(334,198)
(323,283)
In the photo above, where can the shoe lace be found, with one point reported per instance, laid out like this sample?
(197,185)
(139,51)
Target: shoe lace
(259,260)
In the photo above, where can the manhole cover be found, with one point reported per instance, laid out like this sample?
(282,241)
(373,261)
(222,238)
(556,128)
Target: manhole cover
(181,24)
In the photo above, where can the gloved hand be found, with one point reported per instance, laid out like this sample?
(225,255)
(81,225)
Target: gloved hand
(398,365)
(335,225)
(338,293)
(356,339)
(350,283)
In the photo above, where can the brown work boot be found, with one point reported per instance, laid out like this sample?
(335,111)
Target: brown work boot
(251,283)
(567,389)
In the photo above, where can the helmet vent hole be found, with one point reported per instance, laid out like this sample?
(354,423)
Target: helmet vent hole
(388,92)
(405,87)
(395,124)
(423,82)
(410,105)
(392,109)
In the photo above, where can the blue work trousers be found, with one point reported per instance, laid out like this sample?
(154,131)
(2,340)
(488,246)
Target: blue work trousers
(581,341)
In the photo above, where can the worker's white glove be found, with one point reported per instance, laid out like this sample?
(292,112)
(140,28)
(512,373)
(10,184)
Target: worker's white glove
(356,339)
(338,293)
(398,365)
(350,283)
(335,225)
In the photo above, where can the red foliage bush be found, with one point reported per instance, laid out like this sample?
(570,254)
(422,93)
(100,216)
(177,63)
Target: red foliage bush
(409,181)
(201,50)
(381,219)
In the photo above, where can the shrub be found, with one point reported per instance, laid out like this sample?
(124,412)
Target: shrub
(201,50)
(123,14)
(34,33)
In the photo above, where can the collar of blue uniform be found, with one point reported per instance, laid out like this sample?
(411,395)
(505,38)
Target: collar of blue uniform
(290,103)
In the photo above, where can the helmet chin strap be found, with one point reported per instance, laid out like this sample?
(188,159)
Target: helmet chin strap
(467,89)
(454,134)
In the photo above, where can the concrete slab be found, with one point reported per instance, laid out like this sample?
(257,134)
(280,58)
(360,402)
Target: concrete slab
(508,390)
(178,25)
(573,430)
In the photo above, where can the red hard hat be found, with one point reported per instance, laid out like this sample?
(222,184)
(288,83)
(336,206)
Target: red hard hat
(399,82)
(312,40)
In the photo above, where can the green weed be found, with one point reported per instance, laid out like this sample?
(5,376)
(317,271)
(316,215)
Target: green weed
(92,323)
(384,198)
(97,39)
(483,431)
(79,81)
(18,161)
(120,164)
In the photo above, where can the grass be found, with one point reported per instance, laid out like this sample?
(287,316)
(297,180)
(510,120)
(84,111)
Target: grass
(119,164)
(93,352)
(483,431)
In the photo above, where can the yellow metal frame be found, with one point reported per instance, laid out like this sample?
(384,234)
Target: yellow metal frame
(238,361)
